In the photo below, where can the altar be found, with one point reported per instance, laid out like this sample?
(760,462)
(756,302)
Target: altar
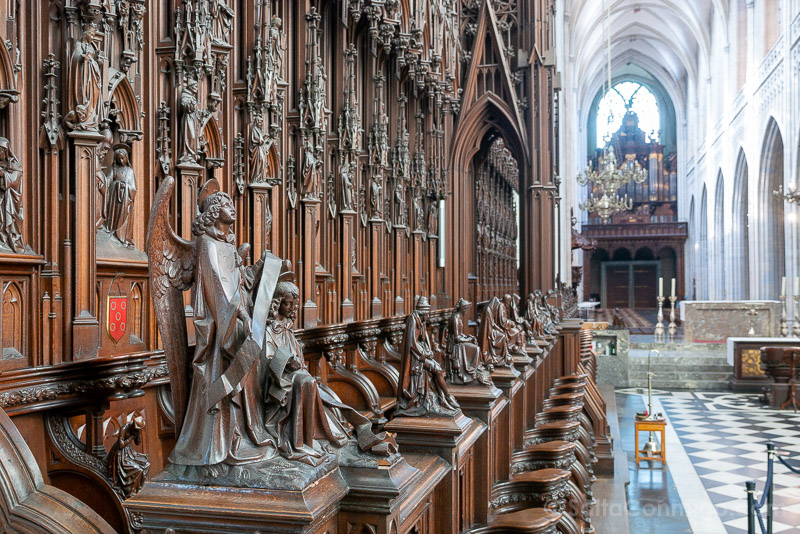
(713,321)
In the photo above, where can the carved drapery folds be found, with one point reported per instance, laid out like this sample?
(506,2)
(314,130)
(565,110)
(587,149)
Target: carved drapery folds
(11,191)
(87,24)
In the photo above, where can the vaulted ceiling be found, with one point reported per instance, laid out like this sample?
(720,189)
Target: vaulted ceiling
(671,39)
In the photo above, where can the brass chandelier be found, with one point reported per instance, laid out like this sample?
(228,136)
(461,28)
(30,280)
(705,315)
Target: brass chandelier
(610,178)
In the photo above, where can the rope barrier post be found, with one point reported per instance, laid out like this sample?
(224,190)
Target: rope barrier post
(769,488)
(751,504)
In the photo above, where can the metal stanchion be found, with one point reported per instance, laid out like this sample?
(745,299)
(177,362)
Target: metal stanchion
(770,460)
(751,507)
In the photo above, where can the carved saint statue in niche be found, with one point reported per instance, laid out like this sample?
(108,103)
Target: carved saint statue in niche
(222,16)
(120,195)
(12,214)
(190,128)
(100,176)
(274,58)
(86,80)
(347,186)
(433,217)
(312,169)
(127,467)
(465,360)
(422,390)
(260,144)
(244,396)
(492,337)
(419,213)
(375,195)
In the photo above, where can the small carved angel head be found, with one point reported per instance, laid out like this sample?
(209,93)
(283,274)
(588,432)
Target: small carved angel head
(285,301)
(218,206)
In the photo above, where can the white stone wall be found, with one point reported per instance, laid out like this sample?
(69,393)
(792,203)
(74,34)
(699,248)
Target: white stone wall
(696,50)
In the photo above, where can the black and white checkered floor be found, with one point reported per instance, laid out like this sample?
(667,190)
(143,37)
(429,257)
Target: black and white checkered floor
(724,436)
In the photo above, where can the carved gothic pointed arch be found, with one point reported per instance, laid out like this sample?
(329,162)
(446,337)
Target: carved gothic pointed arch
(123,100)
(488,112)
(489,71)
(213,147)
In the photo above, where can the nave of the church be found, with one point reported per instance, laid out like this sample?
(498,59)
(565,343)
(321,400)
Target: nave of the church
(399,266)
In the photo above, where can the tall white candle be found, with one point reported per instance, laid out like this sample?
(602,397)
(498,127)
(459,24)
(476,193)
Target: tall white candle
(673,288)
(660,287)
(783,286)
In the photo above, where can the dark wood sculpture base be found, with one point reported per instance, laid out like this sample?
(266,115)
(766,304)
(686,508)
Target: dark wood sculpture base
(454,439)
(192,508)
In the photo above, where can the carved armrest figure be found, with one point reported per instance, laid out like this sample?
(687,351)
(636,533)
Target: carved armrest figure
(515,334)
(466,361)
(492,337)
(537,329)
(423,389)
(127,467)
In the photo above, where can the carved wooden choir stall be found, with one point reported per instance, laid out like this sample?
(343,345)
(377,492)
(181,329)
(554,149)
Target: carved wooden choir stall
(287,267)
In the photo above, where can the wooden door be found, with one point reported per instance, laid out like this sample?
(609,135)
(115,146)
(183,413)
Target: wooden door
(617,286)
(645,278)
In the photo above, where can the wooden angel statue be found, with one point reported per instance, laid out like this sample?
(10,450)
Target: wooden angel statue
(423,390)
(466,363)
(224,394)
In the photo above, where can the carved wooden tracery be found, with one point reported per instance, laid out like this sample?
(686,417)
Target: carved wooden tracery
(340,129)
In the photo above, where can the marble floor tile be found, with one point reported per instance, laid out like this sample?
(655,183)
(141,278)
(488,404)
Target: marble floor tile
(721,438)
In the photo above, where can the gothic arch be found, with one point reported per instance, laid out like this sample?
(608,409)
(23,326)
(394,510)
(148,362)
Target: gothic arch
(691,254)
(489,118)
(719,239)
(702,256)
(770,242)
(122,95)
(739,253)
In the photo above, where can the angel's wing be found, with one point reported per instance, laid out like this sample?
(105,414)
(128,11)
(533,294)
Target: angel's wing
(172,262)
